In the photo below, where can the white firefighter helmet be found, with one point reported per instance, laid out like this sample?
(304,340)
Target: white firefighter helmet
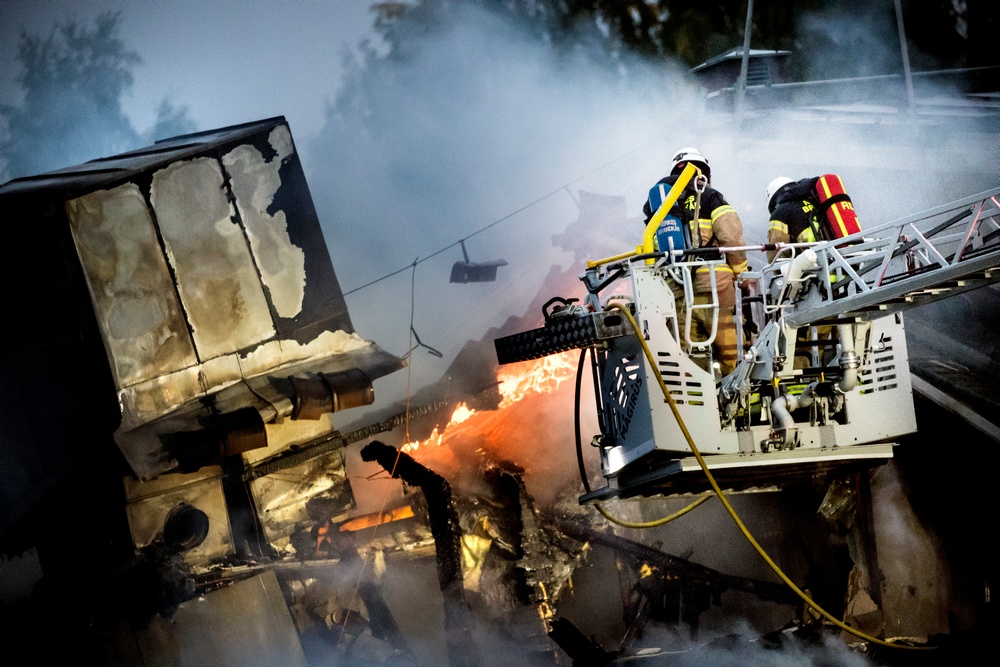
(690,154)
(772,190)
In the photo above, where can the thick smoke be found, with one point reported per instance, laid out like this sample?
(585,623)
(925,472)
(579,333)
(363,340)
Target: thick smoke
(834,39)
(477,122)
(911,562)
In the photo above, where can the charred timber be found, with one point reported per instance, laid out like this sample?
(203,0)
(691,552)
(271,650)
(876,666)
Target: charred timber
(299,454)
(583,651)
(692,574)
(445,530)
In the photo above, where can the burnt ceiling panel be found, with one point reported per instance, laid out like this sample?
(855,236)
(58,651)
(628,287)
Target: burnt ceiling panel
(209,283)
(134,297)
(216,276)
(254,181)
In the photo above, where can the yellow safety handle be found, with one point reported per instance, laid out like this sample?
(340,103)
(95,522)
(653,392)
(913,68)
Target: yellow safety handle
(687,174)
(675,192)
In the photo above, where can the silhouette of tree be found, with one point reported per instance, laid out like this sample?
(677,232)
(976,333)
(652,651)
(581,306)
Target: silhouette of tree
(73,81)
(170,122)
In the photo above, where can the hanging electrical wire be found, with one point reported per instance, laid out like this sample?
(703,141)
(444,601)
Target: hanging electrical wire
(406,438)
(508,216)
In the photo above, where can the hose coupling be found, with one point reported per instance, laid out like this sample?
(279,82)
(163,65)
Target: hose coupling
(849,359)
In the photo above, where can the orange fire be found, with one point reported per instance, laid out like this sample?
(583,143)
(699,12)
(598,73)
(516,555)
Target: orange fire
(537,376)
(533,429)
(370,520)
(461,413)
(517,382)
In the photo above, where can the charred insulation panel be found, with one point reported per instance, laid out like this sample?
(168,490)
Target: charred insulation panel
(159,291)
(133,291)
(192,506)
(196,256)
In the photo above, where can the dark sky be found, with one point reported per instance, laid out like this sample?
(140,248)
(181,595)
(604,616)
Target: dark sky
(228,61)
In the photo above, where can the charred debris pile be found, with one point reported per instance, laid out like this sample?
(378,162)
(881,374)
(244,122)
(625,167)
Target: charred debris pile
(502,570)
(170,456)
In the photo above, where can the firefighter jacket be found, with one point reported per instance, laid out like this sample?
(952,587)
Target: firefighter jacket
(795,218)
(718,225)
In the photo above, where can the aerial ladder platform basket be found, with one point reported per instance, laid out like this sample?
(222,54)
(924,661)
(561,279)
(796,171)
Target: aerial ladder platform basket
(823,381)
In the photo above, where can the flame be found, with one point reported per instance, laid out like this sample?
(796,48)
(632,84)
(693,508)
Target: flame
(461,413)
(434,438)
(537,376)
(370,520)
(516,382)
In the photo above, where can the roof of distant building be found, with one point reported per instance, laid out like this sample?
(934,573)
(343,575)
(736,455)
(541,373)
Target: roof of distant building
(736,53)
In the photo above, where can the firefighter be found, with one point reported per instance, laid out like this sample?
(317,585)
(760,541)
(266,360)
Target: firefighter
(794,214)
(711,222)
(795,217)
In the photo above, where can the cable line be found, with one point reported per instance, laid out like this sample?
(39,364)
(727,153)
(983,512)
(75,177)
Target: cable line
(510,215)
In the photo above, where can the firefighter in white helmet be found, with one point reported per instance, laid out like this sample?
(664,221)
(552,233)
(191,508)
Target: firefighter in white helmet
(711,222)
(794,212)
(796,217)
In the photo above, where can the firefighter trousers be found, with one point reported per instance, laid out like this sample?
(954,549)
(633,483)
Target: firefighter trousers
(724,347)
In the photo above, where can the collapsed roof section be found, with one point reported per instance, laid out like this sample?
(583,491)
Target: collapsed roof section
(211,287)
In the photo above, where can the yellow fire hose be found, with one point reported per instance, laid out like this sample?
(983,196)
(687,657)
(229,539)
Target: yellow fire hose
(656,522)
(729,508)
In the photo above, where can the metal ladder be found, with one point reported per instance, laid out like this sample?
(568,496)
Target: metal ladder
(903,264)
